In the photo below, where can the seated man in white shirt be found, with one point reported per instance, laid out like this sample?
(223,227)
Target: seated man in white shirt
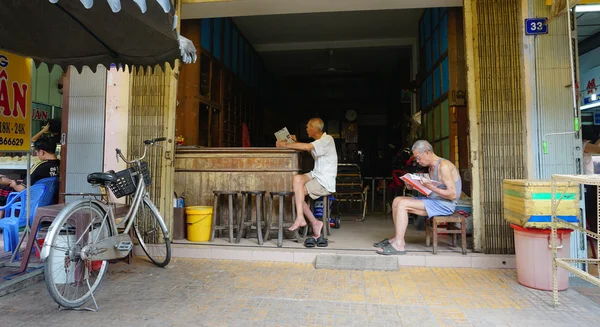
(321,180)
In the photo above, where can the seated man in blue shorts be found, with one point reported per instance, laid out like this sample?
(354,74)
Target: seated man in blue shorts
(441,202)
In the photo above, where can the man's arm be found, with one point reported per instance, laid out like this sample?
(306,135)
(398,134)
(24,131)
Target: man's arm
(591,148)
(17,187)
(296,146)
(446,178)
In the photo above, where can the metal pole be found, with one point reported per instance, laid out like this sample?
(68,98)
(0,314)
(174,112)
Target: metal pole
(384,191)
(373,190)
(28,204)
(572,65)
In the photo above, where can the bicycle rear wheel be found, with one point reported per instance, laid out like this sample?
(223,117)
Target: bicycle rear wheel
(152,236)
(71,280)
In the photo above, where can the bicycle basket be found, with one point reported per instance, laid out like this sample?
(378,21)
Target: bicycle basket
(127,180)
(145,173)
(124,185)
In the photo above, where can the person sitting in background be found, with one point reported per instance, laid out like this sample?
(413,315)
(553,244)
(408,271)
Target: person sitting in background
(320,181)
(52,128)
(441,202)
(48,166)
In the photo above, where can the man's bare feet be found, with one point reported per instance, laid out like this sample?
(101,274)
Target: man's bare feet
(317,228)
(297,224)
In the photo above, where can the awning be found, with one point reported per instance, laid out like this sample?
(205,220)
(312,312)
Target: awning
(84,33)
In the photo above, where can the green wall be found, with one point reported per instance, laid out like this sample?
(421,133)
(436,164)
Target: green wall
(45,85)
(45,95)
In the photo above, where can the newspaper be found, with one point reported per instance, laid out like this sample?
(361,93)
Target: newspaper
(284,135)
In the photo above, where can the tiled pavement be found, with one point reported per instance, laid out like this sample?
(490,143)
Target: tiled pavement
(192,292)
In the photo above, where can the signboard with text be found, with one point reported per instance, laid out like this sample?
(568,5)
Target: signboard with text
(15,102)
(536,26)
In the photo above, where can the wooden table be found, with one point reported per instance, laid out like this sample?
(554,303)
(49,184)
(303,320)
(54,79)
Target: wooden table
(200,171)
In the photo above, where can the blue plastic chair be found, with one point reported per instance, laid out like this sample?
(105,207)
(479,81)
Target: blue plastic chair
(11,223)
(47,199)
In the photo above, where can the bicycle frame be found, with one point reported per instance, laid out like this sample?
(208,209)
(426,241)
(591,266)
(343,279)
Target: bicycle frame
(141,194)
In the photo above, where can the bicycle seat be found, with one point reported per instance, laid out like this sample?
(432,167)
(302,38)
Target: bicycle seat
(102,178)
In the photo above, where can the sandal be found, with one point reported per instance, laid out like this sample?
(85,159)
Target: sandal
(310,242)
(390,250)
(382,243)
(322,242)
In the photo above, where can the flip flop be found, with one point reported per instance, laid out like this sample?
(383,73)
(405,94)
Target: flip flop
(390,250)
(310,242)
(322,242)
(381,243)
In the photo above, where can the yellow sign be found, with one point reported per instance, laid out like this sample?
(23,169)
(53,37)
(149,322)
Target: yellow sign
(581,2)
(15,102)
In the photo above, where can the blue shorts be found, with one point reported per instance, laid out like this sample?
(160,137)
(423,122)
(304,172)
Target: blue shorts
(437,207)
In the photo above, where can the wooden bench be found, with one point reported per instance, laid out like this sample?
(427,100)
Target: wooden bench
(450,229)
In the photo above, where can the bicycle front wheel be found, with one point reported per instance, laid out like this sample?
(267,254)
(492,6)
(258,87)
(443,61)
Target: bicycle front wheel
(152,236)
(70,275)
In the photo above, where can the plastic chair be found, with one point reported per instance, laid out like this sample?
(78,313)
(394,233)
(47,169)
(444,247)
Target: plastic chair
(11,222)
(47,199)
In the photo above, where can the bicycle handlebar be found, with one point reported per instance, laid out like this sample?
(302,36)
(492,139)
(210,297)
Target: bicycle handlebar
(147,143)
(152,141)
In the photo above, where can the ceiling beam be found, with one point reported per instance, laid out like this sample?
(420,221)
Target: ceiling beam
(346,44)
(589,44)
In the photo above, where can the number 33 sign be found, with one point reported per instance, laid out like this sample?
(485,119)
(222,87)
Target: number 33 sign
(535,26)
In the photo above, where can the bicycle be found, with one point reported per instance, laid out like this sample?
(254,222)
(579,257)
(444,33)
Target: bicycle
(85,234)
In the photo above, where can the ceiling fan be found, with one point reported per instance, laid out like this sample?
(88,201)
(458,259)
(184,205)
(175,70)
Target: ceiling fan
(331,67)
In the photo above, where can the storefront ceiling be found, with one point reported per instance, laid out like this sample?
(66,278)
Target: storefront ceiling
(293,44)
(294,36)
(236,8)
(588,25)
(379,60)
(302,31)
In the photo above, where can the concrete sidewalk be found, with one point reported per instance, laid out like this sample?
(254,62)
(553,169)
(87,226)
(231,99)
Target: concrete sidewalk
(193,292)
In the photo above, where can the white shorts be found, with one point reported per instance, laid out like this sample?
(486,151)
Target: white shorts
(314,188)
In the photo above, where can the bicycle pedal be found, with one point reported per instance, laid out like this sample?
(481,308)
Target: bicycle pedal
(125,246)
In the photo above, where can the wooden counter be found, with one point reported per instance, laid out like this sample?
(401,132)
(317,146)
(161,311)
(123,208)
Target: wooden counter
(199,171)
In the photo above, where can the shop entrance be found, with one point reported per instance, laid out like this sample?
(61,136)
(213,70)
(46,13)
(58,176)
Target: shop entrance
(380,80)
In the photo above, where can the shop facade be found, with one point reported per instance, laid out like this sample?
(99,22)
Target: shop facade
(517,97)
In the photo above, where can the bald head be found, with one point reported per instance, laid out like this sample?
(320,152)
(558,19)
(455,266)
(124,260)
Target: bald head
(317,123)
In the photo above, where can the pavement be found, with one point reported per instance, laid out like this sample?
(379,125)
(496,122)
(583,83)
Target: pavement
(206,292)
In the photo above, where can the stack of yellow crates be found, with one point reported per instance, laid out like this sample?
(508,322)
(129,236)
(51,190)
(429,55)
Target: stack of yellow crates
(528,203)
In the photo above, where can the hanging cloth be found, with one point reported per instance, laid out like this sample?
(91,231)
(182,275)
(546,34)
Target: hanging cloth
(245,136)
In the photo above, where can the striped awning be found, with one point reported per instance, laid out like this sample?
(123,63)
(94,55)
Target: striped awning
(88,33)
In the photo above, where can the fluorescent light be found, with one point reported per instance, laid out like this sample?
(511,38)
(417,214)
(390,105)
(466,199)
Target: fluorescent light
(587,8)
(590,106)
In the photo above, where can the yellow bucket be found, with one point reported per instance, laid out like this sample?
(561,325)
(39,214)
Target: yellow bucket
(199,223)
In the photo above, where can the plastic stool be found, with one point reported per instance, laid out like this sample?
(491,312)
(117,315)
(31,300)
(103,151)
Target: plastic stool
(231,197)
(326,229)
(244,227)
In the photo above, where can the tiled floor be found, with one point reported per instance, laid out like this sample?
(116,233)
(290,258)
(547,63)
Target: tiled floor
(238,293)
(353,235)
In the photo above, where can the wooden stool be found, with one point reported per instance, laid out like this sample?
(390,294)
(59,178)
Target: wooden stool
(281,225)
(245,227)
(455,218)
(231,213)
